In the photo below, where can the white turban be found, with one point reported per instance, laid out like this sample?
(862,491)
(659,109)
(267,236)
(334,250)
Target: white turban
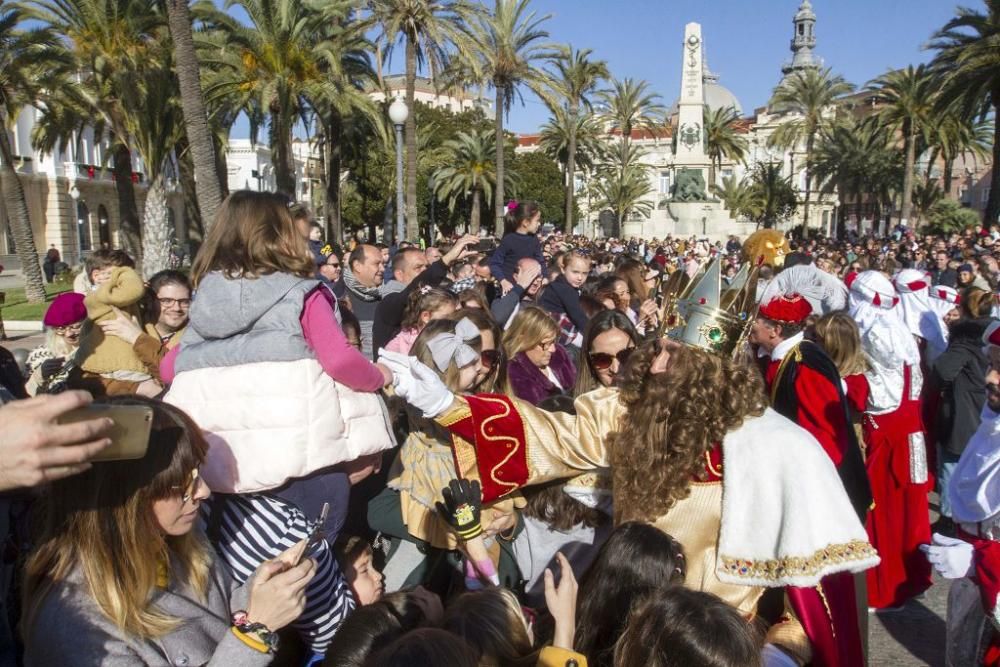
(917,311)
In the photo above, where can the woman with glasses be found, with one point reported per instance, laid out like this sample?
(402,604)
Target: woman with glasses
(122,576)
(607,343)
(165,313)
(539,367)
(49,364)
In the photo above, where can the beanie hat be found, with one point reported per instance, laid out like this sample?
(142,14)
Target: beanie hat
(65,309)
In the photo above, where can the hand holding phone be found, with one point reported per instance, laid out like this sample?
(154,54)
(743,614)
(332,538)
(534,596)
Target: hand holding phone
(129,433)
(294,555)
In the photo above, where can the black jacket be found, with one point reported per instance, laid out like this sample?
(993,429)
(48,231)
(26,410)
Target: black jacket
(960,375)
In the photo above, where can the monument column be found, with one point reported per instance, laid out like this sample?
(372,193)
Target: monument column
(690,130)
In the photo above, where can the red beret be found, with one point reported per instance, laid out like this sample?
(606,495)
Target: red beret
(787,309)
(64,310)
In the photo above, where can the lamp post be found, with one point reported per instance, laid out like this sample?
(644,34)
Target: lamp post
(397,114)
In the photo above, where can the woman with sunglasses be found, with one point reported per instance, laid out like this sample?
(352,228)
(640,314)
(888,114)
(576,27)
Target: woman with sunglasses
(122,576)
(607,344)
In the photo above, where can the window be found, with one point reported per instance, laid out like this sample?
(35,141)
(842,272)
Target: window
(664,182)
(727,173)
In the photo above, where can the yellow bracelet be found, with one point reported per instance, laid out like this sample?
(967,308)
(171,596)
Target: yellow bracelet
(253,643)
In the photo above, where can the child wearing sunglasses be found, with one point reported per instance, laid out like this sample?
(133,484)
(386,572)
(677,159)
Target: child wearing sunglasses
(406,510)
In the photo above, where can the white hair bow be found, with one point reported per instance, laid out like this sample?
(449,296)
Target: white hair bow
(447,346)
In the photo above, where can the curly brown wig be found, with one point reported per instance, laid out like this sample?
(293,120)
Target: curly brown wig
(673,419)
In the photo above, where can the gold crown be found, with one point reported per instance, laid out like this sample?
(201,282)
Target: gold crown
(703,312)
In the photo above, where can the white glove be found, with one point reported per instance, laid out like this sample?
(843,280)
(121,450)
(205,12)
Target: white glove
(416,384)
(951,557)
(772,656)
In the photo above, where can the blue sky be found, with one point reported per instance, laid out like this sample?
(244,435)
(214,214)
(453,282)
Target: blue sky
(746,41)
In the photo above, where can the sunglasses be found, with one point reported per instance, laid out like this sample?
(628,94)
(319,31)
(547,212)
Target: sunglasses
(489,358)
(602,360)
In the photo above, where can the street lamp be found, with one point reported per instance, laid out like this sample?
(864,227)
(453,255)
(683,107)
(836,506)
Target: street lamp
(397,114)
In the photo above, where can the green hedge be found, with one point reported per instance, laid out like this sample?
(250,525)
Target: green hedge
(16,307)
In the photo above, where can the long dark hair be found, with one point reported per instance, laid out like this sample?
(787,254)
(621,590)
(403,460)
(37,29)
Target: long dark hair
(524,210)
(373,626)
(679,627)
(606,320)
(636,560)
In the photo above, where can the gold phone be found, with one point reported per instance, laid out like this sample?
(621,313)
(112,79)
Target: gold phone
(130,434)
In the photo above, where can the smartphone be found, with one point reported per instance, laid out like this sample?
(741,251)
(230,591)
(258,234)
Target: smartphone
(130,434)
(315,535)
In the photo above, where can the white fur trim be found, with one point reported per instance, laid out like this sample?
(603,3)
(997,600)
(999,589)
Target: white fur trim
(786,519)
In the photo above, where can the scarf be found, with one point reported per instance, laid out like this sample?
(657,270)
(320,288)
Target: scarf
(363,292)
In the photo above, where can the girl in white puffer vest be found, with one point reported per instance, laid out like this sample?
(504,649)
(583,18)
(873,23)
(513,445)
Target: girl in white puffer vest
(285,401)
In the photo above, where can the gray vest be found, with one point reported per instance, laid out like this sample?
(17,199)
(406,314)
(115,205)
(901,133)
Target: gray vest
(245,320)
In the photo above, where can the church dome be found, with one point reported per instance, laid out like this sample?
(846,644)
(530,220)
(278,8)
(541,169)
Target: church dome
(805,12)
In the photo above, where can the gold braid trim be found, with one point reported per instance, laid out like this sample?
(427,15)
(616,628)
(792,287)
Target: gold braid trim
(774,570)
(795,353)
(459,412)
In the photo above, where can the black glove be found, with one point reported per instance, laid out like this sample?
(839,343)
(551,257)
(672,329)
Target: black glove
(51,367)
(462,507)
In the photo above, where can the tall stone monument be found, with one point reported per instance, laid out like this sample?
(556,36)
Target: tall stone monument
(690,130)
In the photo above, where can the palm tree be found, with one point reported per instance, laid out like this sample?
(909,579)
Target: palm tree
(736,195)
(508,46)
(926,194)
(969,61)
(907,105)
(156,127)
(772,197)
(110,42)
(209,194)
(953,135)
(28,63)
(623,185)
(273,67)
(428,29)
(470,160)
(722,139)
(806,97)
(591,144)
(577,77)
(630,106)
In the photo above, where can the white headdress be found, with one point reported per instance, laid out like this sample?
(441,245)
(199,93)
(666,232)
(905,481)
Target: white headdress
(917,312)
(886,340)
(824,292)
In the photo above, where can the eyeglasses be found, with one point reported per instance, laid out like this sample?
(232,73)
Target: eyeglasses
(334,265)
(190,488)
(489,358)
(70,328)
(170,303)
(547,345)
(602,360)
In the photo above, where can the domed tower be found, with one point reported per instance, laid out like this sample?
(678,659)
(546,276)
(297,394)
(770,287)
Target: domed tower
(803,41)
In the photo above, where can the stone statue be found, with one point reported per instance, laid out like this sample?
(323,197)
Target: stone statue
(689,186)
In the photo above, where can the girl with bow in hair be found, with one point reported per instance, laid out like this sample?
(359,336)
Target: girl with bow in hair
(405,511)
(520,239)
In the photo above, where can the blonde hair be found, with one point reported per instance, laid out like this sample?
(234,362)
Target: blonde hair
(529,328)
(253,235)
(101,522)
(838,334)
(422,352)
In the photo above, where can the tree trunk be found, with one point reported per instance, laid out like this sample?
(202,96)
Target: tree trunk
(221,167)
(156,232)
(947,175)
(333,160)
(193,105)
(281,150)
(498,204)
(20,222)
(911,156)
(474,216)
(805,207)
(412,228)
(993,203)
(711,174)
(571,168)
(128,211)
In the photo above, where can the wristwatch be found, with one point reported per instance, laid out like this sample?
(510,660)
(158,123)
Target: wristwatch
(257,631)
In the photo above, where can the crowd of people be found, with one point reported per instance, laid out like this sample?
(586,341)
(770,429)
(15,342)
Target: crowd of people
(364,455)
